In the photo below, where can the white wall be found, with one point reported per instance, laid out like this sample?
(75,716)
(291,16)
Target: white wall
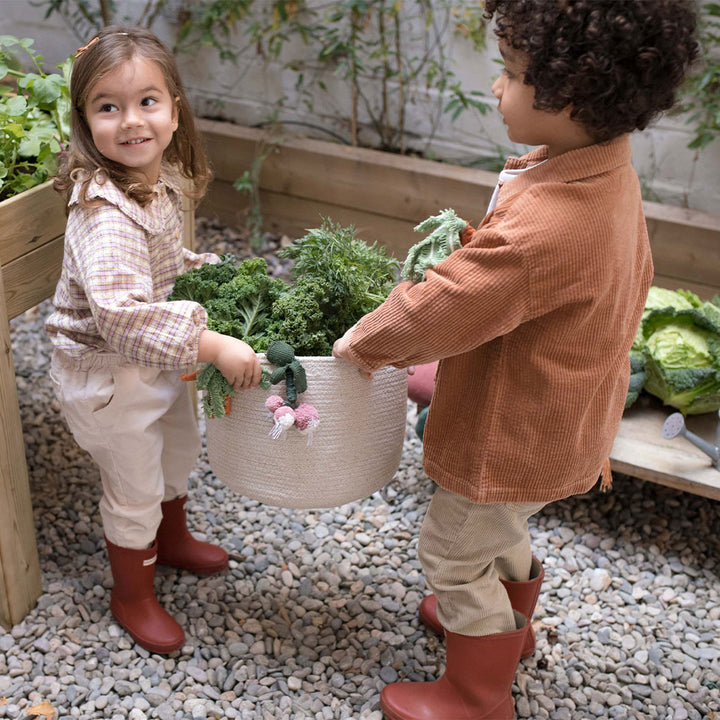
(247,94)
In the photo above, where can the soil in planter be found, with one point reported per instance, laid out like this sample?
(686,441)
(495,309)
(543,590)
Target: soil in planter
(213,236)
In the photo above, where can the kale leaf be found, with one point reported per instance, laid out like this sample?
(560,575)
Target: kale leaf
(203,283)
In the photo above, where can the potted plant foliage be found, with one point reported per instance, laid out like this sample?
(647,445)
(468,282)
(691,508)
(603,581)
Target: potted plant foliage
(34,117)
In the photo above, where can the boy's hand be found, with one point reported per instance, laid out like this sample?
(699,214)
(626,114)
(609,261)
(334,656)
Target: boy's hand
(235,359)
(340,350)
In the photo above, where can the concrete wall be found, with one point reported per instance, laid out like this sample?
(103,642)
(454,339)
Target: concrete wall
(248,93)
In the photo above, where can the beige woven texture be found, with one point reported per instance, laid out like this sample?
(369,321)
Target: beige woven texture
(354,452)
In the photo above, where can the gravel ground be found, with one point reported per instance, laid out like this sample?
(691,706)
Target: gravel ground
(318,610)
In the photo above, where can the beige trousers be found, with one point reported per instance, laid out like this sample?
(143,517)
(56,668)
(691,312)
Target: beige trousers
(465,549)
(139,426)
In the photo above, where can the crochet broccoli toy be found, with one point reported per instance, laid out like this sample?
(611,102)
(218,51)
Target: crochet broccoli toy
(446,233)
(287,413)
(288,368)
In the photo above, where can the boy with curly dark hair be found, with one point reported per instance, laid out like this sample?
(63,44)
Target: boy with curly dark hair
(531,320)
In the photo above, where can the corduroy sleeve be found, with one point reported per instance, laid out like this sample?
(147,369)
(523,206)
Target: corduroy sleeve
(480,292)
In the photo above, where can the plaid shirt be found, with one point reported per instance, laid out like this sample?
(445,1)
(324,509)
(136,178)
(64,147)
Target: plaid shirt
(120,263)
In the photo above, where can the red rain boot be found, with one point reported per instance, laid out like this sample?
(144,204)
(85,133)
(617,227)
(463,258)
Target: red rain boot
(133,602)
(523,598)
(476,685)
(179,549)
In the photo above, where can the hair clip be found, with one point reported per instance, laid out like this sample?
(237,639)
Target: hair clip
(81,50)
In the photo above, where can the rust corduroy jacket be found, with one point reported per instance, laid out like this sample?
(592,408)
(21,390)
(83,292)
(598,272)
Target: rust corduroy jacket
(532,321)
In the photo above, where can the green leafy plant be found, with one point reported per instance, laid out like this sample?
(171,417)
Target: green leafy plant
(388,54)
(86,17)
(336,278)
(34,117)
(249,184)
(702,94)
(210,23)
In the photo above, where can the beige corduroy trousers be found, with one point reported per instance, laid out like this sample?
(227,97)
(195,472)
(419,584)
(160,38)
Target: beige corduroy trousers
(139,426)
(465,549)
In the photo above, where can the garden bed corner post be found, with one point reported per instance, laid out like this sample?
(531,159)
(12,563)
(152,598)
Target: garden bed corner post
(20,584)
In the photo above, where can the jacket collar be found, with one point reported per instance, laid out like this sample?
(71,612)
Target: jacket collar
(569,167)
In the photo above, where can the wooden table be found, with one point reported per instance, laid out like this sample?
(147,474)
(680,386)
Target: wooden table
(641,451)
(31,248)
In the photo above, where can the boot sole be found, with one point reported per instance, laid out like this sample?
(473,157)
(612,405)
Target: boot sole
(151,647)
(159,648)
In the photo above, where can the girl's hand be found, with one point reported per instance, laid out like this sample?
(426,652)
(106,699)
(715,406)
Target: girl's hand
(235,359)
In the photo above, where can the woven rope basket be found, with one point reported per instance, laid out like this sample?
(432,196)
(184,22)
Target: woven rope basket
(354,452)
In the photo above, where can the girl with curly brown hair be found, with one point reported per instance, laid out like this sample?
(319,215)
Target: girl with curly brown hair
(531,321)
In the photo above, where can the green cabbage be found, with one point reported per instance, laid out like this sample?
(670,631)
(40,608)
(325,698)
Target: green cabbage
(677,347)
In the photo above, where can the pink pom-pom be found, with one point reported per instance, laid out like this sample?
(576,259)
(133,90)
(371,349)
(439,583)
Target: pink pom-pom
(306,420)
(306,417)
(283,418)
(274,402)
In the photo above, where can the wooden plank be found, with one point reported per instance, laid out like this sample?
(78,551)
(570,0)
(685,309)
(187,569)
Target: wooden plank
(288,212)
(685,243)
(410,188)
(404,188)
(704,292)
(290,215)
(19,569)
(225,204)
(640,450)
(32,278)
(31,219)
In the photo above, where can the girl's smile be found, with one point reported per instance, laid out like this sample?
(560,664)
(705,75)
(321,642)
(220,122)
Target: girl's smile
(132,117)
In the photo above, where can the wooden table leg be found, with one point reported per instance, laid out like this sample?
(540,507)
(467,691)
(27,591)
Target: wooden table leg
(19,568)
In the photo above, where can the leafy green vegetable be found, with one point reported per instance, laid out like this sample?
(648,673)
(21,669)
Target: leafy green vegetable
(242,306)
(203,283)
(303,318)
(358,276)
(34,117)
(677,347)
(659,298)
(336,279)
(638,375)
(216,390)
